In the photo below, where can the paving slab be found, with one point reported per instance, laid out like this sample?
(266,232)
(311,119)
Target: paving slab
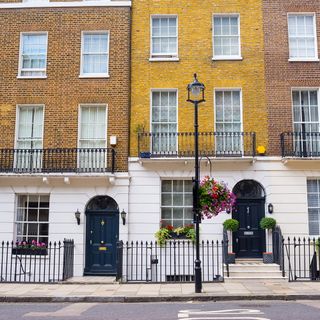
(137,292)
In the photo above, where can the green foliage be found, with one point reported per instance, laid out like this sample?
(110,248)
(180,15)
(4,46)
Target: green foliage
(267,223)
(191,234)
(231,225)
(162,235)
(139,128)
(167,232)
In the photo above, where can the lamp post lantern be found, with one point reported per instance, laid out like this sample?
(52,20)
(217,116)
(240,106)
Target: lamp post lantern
(196,96)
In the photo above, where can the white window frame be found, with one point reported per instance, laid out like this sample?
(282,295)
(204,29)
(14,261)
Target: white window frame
(241,113)
(16,222)
(18,107)
(94,75)
(105,105)
(316,57)
(183,206)
(164,56)
(20,56)
(292,107)
(17,154)
(226,57)
(177,109)
(309,207)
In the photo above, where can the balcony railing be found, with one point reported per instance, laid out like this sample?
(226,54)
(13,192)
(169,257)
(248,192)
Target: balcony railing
(300,144)
(211,144)
(76,160)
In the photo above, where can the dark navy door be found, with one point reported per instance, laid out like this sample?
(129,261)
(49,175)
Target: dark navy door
(249,240)
(101,241)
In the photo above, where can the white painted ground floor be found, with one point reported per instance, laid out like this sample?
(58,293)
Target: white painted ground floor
(154,191)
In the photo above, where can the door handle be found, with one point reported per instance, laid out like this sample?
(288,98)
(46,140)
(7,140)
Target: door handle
(237,240)
(248,227)
(102,242)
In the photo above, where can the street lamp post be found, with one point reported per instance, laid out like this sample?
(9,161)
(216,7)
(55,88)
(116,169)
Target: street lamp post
(196,96)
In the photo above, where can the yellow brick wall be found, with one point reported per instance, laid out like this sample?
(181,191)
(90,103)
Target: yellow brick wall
(195,53)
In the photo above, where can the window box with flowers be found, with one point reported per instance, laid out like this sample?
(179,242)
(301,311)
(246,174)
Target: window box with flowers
(30,248)
(168,232)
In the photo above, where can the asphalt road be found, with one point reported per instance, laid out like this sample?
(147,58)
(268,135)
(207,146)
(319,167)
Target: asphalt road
(243,310)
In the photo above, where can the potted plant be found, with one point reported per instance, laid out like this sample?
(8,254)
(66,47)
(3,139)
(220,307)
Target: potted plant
(231,225)
(267,224)
(30,248)
(167,232)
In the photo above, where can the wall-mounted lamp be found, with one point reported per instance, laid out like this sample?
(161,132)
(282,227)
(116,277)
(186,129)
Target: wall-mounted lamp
(270,208)
(123,217)
(77,214)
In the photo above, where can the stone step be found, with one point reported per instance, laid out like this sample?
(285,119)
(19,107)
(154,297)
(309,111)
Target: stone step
(249,260)
(240,279)
(253,267)
(254,274)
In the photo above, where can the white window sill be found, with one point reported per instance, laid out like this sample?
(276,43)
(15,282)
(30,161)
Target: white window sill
(163,59)
(84,76)
(226,58)
(303,60)
(31,77)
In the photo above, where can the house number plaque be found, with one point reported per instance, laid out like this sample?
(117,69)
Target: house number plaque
(248,233)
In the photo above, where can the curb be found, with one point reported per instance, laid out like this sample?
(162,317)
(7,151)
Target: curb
(135,299)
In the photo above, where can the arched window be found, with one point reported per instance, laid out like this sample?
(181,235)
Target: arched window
(102,203)
(248,189)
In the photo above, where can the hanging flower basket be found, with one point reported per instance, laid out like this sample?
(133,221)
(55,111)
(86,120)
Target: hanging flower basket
(214,197)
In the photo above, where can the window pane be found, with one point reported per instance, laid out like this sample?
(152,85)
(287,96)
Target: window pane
(95,53)
(33,54)
(226,36)
(164,121)
(306,119)
(166,199)
(178,186)
(164,36)
(301,36)
(180,191)
(313,206)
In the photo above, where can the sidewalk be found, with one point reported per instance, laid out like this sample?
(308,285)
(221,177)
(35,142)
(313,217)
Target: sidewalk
(114,292)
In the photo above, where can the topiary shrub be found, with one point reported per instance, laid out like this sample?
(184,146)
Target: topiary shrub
(231,225)
(267,223)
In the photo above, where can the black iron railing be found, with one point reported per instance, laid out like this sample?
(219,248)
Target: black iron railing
(52,263)
(277,248)
(226,251)
(211,144)
(302,258)
(57,160)
(173,262)
(300,144)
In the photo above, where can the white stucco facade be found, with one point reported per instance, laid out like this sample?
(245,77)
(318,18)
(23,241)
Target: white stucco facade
(65,199)
(139,194)
(285,185)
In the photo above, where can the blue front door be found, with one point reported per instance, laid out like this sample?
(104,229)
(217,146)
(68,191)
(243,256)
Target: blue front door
(249,240)
(101,242)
